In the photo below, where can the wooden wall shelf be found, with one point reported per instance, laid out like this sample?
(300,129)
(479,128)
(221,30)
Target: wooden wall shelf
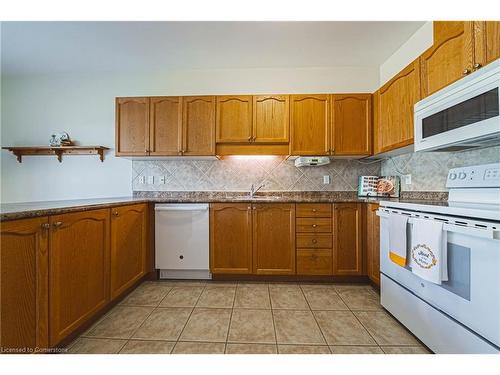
(58,151)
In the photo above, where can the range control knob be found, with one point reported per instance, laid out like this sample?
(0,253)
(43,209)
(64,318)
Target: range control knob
(453,176)
(462,175)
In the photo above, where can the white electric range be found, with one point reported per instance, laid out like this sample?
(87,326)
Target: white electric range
(462,315)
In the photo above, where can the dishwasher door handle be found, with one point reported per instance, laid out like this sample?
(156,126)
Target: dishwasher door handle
(180,209)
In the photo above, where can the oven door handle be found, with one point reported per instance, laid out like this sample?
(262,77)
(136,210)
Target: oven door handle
(487,233)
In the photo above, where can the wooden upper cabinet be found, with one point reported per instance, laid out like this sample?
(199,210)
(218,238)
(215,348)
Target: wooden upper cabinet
(309,125)
(132,126)
(373,243)
(271,119)
(351,124)
(231,238)
(129,244)
(24,284)
(395,108)
(198,125)
(79,270)
(376,140)
(165,125)
(234,119)
(347,238)
(273,239)
(486,42)
(450,57)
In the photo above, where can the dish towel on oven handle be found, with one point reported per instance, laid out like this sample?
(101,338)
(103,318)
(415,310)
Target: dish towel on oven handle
(429,250)
(397,239)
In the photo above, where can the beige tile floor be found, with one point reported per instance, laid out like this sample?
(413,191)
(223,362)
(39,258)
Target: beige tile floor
(240,317)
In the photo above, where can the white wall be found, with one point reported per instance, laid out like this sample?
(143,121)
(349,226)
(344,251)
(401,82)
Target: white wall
(409,51)
(33,107)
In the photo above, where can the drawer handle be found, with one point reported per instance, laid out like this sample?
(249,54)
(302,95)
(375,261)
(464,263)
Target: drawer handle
(314,240)
(314,225)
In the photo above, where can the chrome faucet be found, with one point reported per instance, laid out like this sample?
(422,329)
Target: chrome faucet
(254,189)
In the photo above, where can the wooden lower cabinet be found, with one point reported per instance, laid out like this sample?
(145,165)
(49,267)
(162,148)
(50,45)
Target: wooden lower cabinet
(78,270)
(347,239)
(373,243)
(273,239)
(252,238)
(129,244)
(231,238)
(314,262)
(23,284)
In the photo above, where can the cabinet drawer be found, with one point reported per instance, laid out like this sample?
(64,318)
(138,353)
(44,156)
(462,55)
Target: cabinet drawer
(314,262)
(314,225)
(314,210)
(314,240)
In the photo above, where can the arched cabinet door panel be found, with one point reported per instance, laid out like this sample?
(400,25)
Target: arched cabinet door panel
(132,126)
(234,119)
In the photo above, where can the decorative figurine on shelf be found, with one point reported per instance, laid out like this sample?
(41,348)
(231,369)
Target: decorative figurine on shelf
(60,139)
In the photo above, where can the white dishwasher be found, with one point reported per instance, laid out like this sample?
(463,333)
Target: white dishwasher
(182,241)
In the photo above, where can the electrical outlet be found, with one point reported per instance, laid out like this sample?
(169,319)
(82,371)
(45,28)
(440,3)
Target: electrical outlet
(142,179)
(151,180)
(408,179)
(161,180)
(326,180)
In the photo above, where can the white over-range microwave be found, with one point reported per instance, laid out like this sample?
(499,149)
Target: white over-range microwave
(461,116)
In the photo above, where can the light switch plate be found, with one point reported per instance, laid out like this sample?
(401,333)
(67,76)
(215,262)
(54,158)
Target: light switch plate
(326,180)
(151,180)
(161,180)
(408,179)
(142,179)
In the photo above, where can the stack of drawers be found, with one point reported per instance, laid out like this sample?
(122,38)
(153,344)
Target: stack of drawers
(314,238)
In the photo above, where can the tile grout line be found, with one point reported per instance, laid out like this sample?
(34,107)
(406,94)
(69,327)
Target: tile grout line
(187,320)
(314,317)
(272,316)
(230,319)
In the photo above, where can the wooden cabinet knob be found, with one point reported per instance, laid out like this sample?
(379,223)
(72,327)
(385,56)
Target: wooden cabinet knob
(314,210)
(466,71)
(477,66)
(57,224)
(250,139)
(45,226)
(115,213)
(314,225)
(314,240)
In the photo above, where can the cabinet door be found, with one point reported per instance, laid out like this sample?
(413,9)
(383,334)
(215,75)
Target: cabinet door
(273,239)
(450,57)
(373,243)
(23,284)
(351,124)
(165,125)
(198,125)
(230,238)
(396,101)
(347,238)
(79,270)
(129,244)
(486,42)
(377,140)
(132,126)
(309,124)
(271,119)
(234,119)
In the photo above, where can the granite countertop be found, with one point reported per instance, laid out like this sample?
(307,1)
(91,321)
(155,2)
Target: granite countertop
(12,211)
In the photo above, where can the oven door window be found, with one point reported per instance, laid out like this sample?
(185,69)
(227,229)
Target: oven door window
(479,108)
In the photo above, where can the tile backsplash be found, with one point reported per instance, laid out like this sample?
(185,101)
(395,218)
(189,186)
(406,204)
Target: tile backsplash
(239,173)
(429,169)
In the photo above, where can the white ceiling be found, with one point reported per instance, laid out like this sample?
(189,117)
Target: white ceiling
(54,47)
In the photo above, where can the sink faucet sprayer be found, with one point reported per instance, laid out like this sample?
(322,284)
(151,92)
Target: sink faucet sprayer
(254,189)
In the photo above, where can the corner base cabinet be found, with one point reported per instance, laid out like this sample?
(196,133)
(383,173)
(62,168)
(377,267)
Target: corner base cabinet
(78,269)
(129,244)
